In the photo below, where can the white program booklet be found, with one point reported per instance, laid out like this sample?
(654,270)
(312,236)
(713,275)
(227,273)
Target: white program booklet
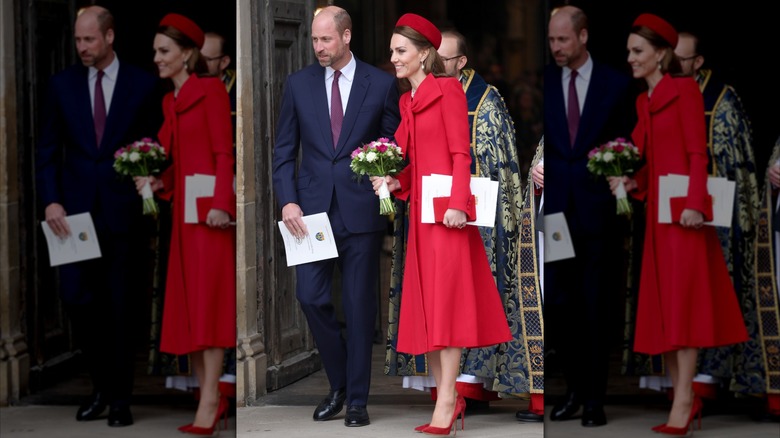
(484,190)
(318,245)
(721,189)
(81,244)
(196,186)
(557,239)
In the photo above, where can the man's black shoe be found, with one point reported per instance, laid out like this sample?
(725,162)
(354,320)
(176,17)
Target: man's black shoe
(330,405)
(119,416)
(593,416)
(529,417)
(356,416)
(92,409)
(565,410)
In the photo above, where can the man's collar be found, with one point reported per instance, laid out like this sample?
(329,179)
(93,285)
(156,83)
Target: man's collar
(348,71)
(110,71)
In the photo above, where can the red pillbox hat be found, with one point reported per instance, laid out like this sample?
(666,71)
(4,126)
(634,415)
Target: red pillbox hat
(186,26)
(659,26)
(423,26)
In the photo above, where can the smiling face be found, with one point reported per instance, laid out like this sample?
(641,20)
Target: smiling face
(406,58)
(644,58)
(331,48)
(170,57)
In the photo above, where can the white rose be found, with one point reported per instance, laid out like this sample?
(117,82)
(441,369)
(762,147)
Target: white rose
(362,156)
(134,156)
(371,157)
(608,156)
(124,155)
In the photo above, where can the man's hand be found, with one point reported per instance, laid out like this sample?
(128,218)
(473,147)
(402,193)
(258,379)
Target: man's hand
(55,217)
(291,216)
(774,174)
(537,175)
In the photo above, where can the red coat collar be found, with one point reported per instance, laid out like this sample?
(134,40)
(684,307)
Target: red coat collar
(664,93)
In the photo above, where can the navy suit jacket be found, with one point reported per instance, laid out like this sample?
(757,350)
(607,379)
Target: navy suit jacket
(608,113)
(70,167)
(304,130)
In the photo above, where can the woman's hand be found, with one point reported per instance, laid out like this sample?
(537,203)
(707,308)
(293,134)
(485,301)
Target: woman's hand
(454,218)
(628,183)
(392,183)
(691,218)
(154,183)
(218,218)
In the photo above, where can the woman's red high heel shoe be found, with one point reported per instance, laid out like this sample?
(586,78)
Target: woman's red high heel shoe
(689,425)
(460,409)
(222,410)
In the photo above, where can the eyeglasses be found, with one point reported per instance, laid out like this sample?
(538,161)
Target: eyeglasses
(688,58)
(450,59)
(212,59)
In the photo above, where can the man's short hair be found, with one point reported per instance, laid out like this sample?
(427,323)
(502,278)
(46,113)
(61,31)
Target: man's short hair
(219,38)
(460,40)
(105,19)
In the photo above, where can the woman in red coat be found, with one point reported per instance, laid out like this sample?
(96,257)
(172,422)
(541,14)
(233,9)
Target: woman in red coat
(450,300)
(199,316)
(686,298)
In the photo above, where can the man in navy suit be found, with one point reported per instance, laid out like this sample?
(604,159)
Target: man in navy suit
(586,104)
(324,119)
(91,110)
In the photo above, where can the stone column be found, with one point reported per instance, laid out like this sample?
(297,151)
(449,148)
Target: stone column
(14,358)
(251,357)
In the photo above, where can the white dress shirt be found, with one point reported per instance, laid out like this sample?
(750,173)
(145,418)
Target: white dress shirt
(581,82)
(109,81)
(345,82)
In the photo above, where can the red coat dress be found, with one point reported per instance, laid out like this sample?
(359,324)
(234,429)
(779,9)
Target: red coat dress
(686,297)
(200,291)
(449,296)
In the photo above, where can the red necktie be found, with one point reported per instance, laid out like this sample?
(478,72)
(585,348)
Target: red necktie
(574,108)
(100,108)
(336,110)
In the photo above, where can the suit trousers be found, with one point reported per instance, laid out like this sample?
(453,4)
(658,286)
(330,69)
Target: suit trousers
(103,305)
(582,316)
(347,360)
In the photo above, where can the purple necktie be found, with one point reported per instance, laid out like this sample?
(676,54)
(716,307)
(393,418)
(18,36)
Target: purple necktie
(574,108)
(100,108)
(336,110)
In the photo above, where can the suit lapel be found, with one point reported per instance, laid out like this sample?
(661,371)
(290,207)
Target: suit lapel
(320,104)
(357,94)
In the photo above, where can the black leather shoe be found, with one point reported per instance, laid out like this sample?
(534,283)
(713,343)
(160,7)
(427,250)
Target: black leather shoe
(92,409)
(356,416)
(529,417)
(330,405)
(565,410)
(119,416)
(593,416)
